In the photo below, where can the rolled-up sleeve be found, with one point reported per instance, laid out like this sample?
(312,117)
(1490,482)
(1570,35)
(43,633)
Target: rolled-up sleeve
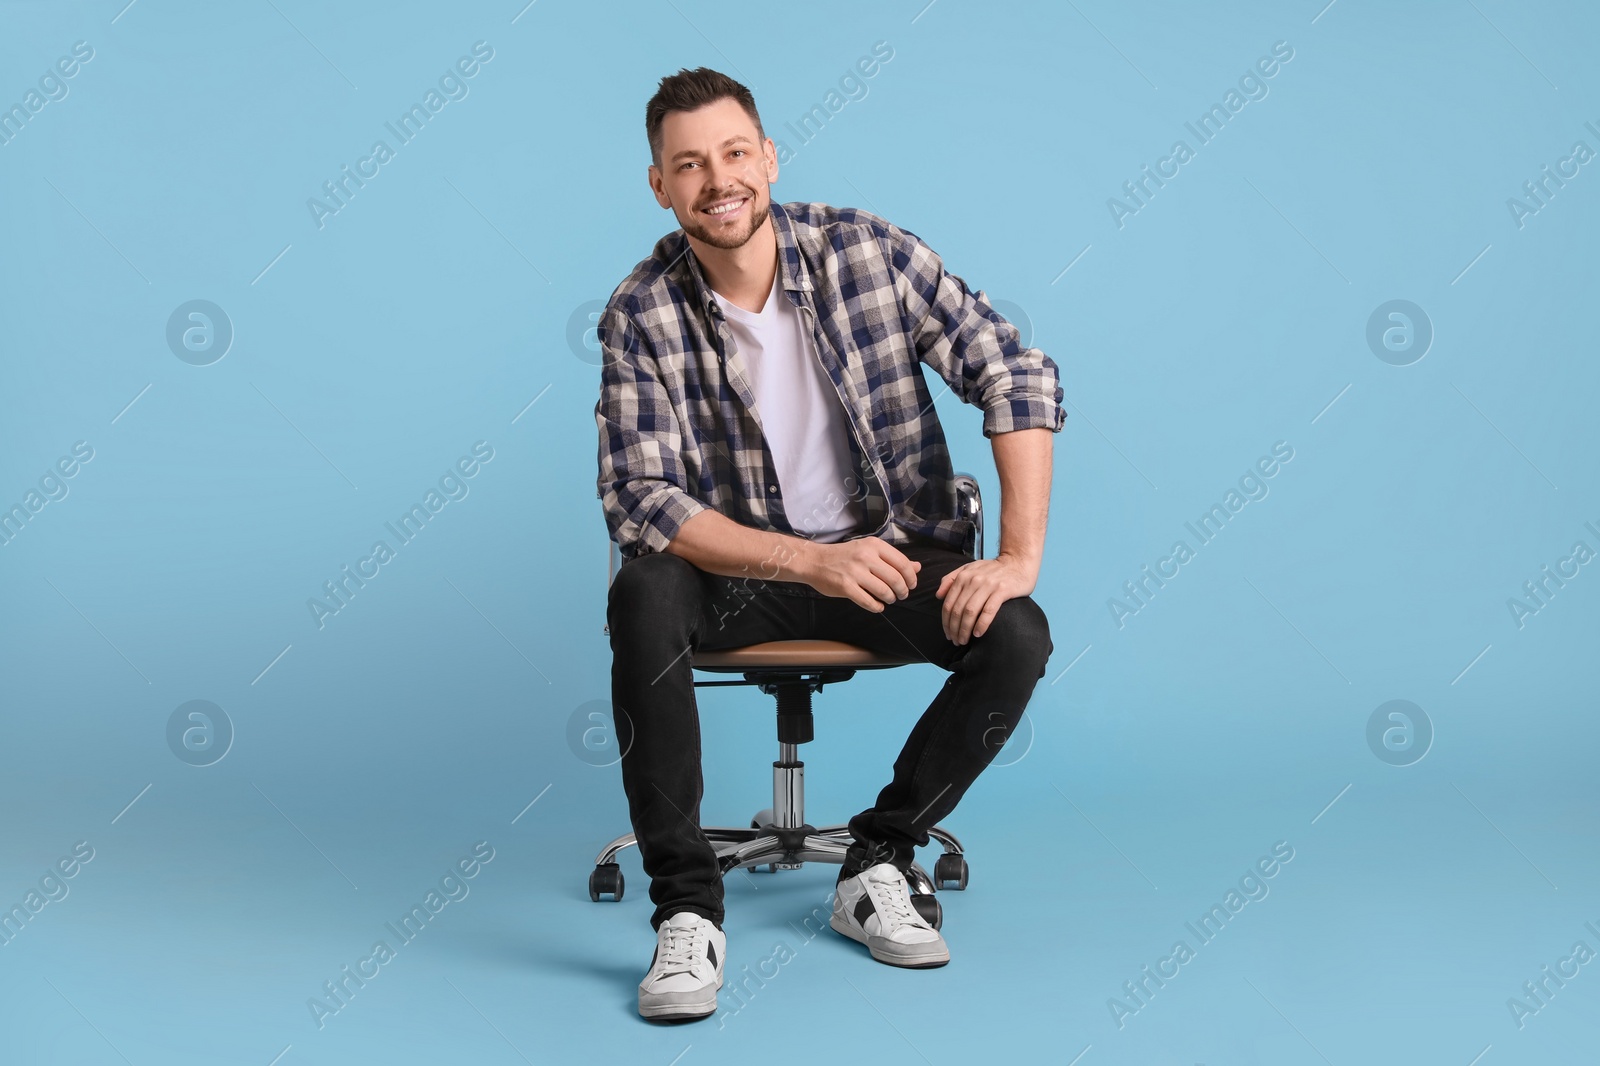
(642,481)
(972,346)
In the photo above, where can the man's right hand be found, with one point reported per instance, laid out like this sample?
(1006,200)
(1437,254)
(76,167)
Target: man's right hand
(869,571)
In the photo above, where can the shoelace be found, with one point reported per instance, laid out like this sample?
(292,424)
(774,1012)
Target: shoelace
(892,900)
(681,951)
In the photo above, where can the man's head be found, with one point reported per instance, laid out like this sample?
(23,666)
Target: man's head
(707,148)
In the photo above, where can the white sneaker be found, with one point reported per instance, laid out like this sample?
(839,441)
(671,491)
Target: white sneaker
(685,971)
(874,908)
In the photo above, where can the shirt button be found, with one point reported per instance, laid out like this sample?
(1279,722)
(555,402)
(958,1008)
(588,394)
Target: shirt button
(772,489)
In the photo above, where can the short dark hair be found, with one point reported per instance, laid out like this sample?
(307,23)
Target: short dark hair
(690,90)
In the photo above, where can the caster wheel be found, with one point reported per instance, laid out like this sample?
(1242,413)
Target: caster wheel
(950,873)
(606,879)
(928,907)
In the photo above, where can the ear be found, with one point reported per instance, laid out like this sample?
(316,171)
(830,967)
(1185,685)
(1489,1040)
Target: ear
(652,176)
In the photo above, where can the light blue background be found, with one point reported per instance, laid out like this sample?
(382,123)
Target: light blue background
(1229,313)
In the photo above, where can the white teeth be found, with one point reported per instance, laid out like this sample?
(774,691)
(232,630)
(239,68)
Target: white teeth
(724,210)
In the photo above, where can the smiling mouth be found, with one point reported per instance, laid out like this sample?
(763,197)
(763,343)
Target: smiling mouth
(730,209)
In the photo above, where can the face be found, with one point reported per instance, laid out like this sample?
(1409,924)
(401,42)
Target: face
(709,158)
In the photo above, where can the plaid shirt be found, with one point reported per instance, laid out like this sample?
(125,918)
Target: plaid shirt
(679,428)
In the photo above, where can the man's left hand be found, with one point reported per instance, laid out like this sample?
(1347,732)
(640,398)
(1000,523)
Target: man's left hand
(972,593)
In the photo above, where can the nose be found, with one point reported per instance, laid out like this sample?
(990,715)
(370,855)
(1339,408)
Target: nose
(720,177)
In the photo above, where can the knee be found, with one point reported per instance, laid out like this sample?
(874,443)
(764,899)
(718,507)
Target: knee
(659,587)
(1020,634)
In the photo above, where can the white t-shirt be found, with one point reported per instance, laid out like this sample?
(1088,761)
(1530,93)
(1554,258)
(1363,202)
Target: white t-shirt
(800,415)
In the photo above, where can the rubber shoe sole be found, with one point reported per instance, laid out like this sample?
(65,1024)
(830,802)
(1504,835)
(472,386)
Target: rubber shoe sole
(682,1010)
(910,956)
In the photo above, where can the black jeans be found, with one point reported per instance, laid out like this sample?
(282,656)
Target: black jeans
(661,605)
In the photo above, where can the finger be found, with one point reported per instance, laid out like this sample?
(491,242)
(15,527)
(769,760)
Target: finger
(981,607)
(878,589)
(891,575)
(988,615)
(968,602)
(949,614)
(904,566)
(861,599)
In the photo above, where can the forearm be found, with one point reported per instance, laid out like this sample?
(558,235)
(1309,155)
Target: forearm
(718,545)
(1023,460)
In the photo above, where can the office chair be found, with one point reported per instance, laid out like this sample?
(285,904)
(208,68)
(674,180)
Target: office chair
(791,670)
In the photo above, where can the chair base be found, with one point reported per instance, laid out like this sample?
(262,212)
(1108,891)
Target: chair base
(788,849)
(779,837)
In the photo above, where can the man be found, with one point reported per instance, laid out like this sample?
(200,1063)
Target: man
(763,414)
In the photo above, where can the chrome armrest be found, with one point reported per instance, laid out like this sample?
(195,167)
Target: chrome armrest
(968,500)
